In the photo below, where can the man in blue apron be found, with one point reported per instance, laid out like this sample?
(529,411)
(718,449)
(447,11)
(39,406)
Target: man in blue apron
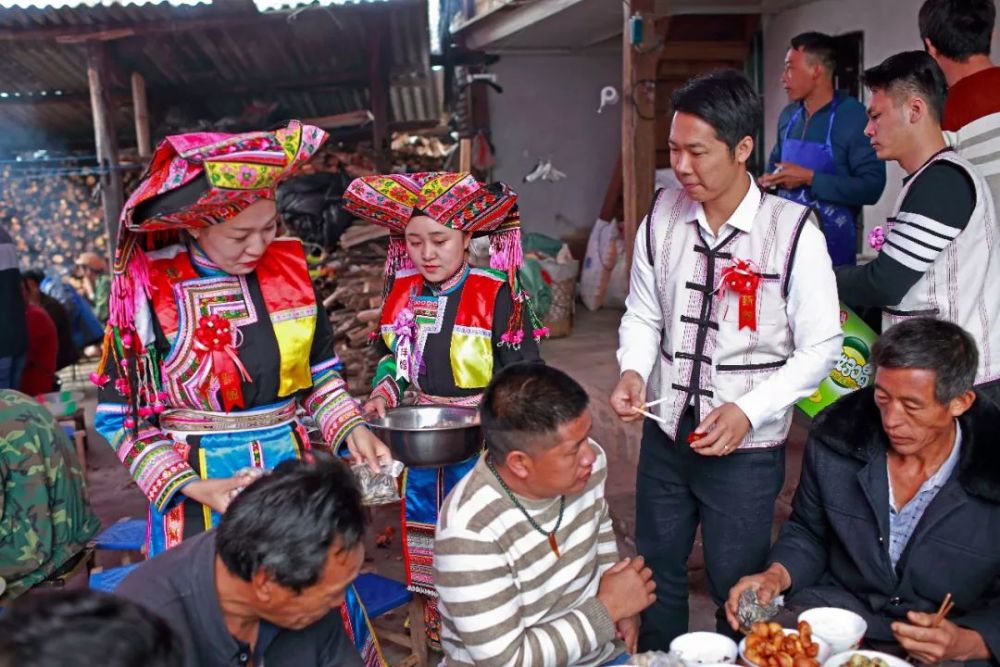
(822,158)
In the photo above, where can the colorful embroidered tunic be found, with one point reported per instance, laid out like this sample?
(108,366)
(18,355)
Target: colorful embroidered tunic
(285,348)
(454,350)
(203,373)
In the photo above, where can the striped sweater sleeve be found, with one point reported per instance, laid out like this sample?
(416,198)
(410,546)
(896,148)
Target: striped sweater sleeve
(483,608)
(607,545)
(934,212)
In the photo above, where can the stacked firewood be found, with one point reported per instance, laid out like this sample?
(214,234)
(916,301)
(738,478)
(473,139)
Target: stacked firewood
(53,210)
(351,282)
(54,213)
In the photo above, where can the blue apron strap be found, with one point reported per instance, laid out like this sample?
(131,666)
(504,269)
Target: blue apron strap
(833,114)
(795,118)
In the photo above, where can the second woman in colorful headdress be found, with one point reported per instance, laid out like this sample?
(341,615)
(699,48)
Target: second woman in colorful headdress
(446,327)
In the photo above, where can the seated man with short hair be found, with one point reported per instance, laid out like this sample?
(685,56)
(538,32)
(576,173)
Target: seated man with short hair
(265,587)
(85,627)
(899,503)
(525,557)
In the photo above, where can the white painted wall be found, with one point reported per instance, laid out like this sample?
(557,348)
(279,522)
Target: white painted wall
(889,26)
(549,110)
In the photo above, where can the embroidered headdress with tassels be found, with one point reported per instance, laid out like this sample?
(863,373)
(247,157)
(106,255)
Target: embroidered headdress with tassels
(457,201)
(193,181)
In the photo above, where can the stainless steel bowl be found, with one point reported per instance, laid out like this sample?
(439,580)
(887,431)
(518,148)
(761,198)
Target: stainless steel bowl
(424,436)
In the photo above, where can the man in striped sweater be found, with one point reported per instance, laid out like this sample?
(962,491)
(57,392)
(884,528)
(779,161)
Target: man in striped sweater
(526,564)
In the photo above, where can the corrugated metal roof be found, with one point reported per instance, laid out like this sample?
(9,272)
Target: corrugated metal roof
(262,5)
(208,61)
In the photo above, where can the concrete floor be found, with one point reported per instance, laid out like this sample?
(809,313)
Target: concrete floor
(588,355)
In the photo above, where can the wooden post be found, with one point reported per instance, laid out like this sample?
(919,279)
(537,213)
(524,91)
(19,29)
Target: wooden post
(638,131)
(465,155)
(141,112)
(379,80)
(112,191)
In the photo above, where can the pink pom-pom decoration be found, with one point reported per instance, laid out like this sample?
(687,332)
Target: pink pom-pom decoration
(876,238)
(540,333)
(127,340)
(129,422)
(158,408)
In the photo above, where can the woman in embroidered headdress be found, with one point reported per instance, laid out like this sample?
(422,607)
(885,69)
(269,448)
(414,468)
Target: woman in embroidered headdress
(446,328)
(214,336)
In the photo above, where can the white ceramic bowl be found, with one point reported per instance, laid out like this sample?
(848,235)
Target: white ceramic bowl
(824,648)
(704,648)
(841,658)
(843,630)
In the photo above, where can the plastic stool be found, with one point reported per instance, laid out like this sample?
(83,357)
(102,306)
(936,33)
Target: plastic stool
(381,595)
(108,580)
(124,535)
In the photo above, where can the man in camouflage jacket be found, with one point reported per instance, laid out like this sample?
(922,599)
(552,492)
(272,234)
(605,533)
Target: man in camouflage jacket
(45,519)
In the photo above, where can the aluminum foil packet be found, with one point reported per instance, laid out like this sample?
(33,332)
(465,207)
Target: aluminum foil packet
(378,488)
(655,659)
(751,611)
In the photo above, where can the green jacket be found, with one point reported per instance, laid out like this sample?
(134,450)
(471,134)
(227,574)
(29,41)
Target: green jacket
(102,296)
(45,518)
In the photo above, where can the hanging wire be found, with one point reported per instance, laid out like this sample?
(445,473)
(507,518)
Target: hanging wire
(65,158)
(69,171)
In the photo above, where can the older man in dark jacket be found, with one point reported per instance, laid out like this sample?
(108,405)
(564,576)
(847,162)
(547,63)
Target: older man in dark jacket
(899,503)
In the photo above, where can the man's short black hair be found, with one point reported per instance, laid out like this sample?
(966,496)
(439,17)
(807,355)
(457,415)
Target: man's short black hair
(85,627)
(910,73)
(724,99)
(526,402)
(958,29)
(286,522)
(34,275)
(933,345)
(819,47)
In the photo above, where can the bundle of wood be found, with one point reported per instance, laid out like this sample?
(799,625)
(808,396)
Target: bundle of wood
(54,213)
(350,283)
(414,152)
(52,207)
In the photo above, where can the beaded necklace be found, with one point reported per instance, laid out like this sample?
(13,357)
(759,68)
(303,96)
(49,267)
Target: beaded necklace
(534,524)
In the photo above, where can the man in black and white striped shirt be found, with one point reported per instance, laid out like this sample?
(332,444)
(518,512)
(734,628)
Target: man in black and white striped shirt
(525,560)
(941,251)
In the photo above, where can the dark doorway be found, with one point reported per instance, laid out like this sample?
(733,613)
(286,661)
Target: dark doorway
(850,63)
(850,56)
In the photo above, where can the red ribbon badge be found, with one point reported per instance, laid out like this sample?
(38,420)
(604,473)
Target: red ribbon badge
(742,279)
(214,338)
